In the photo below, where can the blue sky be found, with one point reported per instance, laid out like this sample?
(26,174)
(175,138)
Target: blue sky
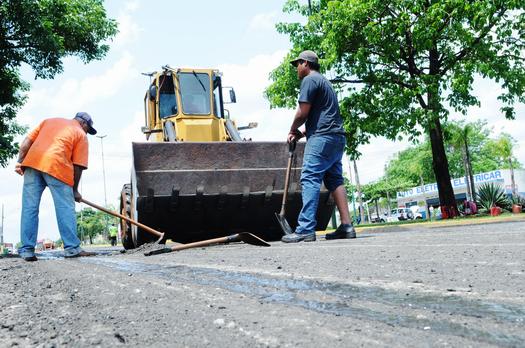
(237,37)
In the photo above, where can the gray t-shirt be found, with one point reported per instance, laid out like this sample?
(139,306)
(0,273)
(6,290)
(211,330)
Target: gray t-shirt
(324,116)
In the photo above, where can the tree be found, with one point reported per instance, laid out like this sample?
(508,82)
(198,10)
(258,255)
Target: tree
(41,34)
(385,187)
(458,137)
(484,154)
(412,164)
(505,145)
(91,223)
(407,62)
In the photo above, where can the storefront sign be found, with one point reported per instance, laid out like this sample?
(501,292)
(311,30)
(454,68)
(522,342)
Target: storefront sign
(495,175)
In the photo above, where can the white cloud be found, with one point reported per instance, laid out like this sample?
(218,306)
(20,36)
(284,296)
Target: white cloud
(249,81)
(132,6)
(263,22)
(487,92)
(73,95)
(128,28)
(132,132)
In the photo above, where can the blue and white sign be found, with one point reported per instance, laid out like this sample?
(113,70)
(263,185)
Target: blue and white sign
(495,175)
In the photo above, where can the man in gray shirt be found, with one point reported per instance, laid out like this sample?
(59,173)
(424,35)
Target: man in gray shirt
(319,109)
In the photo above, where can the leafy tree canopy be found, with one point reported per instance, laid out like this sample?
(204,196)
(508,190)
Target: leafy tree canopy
(404,63)
(486,154)
(41,33)
(91,222)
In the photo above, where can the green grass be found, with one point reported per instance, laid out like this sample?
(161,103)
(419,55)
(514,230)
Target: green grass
(459,221)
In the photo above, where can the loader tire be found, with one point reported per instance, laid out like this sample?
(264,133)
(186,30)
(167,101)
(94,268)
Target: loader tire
(125,209)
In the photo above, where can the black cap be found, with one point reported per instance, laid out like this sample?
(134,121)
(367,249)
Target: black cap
(84,116)
(308,56)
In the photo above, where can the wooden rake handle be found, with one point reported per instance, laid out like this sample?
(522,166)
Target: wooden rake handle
(136,223)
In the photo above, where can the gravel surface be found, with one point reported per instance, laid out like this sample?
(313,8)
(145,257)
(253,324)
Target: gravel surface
(454,286)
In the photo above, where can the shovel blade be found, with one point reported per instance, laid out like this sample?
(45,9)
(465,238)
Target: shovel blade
(285,227)
(158,251)
(252,239)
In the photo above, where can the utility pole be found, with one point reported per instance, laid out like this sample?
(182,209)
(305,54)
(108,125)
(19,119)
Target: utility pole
(351,184)
(81,217)
(106,233)
(2,227)
(359,195)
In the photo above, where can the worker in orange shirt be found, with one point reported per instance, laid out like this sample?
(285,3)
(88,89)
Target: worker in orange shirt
(53,155)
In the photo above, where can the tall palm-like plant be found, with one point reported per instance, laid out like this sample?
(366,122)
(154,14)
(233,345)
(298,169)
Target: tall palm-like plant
(492,195)
(458,135)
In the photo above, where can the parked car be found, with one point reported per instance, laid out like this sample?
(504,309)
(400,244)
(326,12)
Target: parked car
(399,214)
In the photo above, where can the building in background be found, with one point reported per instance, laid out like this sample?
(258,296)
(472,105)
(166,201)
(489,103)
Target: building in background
(429,193)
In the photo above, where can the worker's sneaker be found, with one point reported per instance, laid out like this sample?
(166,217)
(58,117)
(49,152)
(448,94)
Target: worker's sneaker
(82,253)
(344,231)
(298,237)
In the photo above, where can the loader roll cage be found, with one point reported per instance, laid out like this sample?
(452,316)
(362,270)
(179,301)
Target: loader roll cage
(194,90)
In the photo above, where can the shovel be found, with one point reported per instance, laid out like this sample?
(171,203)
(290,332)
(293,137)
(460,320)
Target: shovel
(239,237)
(136,223)
(281,219)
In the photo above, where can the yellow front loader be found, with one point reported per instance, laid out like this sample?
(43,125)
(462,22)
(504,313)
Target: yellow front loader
(196,177)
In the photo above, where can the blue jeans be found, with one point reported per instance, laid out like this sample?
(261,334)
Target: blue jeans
(321,162)
(35,182)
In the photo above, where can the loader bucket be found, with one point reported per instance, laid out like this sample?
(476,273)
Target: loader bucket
(194,191)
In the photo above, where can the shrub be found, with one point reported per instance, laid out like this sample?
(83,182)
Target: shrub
(492,195)
(519,200)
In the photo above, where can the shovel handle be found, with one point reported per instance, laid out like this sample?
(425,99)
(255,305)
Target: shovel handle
(110,212)
(291,149)
(202,243)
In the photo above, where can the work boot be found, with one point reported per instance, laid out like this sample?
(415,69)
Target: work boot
(298,237)
(344,231)
(30,258)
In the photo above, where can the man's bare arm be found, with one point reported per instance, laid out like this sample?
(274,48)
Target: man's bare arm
(300,118)
(77,174)
(24,148)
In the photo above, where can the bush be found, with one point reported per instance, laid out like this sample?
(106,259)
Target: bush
(492,195)
(519,200)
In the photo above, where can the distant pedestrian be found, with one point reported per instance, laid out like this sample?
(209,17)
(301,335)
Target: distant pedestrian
(53,155)
(113,234)
(319,109)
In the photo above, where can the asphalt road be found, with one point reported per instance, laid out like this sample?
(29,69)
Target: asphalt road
(454,286)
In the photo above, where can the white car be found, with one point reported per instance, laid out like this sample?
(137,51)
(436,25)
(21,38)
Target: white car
(401,214)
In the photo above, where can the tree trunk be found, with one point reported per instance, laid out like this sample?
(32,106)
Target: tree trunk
(447,200)
(388,203)
(467,178)
(512,181)
(359,197)
(470,174)
(377,209)
(422,183)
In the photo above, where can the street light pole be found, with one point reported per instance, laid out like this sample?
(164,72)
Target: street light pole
(104,178)
(2,227)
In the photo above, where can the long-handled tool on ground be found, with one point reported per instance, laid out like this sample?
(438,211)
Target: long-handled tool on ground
(144,227)
(281,219)
(239,237)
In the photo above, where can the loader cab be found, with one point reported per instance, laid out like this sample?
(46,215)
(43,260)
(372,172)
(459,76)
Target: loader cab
(187,105)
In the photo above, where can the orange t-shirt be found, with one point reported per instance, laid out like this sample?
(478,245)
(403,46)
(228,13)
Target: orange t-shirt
(58,143)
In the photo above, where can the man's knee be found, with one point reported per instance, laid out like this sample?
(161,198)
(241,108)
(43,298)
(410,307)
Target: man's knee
(333,182)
